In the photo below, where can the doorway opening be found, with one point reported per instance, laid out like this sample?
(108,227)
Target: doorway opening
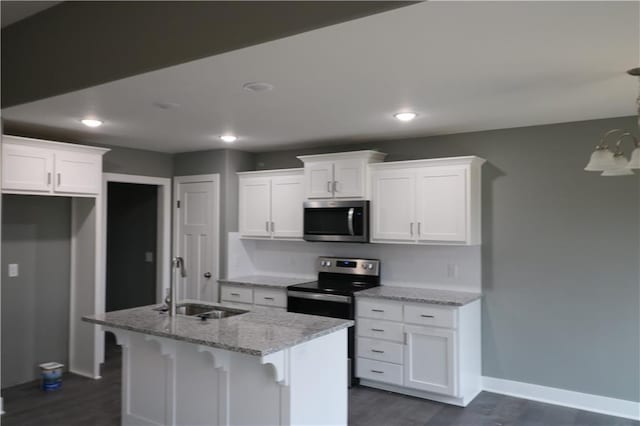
(132,241)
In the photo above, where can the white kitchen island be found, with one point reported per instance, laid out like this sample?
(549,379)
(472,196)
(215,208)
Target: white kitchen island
(263,367)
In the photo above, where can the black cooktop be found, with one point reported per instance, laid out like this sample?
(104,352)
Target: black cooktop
(337,285)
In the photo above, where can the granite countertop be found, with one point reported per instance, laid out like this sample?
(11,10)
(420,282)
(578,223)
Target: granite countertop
(265,281)
(258,332)
(420,295)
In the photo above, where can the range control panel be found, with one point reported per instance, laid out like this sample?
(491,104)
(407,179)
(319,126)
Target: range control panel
(348,266)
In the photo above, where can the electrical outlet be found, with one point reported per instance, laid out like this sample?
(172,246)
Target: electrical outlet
(13,270)
(452,270)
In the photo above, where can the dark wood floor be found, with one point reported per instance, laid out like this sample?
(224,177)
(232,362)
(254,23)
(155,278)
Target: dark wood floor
(85,402)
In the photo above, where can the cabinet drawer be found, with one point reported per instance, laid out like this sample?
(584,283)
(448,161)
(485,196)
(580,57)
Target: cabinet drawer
(430,315)
(269,297)
(380,350)
(380,330)
(379,310)
(379,371)
(236,294)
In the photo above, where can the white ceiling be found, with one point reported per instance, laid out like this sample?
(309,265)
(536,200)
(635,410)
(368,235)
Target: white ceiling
(463,66)
(14,11)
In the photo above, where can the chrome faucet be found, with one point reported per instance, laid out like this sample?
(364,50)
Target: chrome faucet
(170,300)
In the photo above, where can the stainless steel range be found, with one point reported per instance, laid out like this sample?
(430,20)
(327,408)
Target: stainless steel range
(332,295)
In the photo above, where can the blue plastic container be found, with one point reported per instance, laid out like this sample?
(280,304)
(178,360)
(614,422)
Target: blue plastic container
(51,373)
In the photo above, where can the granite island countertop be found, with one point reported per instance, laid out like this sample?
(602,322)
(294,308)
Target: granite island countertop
(258,332)
(265,281)
(420,295)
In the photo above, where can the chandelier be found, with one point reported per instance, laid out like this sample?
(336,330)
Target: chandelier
(615,163)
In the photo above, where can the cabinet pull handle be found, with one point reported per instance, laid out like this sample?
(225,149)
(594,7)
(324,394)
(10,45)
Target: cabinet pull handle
(426,316)
(59,179)
(328,186)
(268,298)
(273,226)
(235,294)
(377,329)
(411,228)
(48,178)
(266,226)
(377,310)
(418,228)
(377,351)
(335,186)
(377,371)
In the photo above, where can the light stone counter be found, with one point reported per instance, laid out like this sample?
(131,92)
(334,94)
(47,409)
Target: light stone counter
(265,281)
(258,332)
(420,295)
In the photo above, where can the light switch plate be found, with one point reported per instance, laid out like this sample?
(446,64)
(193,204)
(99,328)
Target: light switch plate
(13,270)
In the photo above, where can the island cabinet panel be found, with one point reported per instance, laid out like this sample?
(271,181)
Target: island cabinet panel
(270,205)
(172,382)
(433,201)
(420,349)
(39,167)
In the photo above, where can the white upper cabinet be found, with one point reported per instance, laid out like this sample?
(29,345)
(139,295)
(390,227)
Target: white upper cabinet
(270,204)
(26,168)
(255,207)
(427,201)
(441,204)
(38,167)
(394,198)
(340,175)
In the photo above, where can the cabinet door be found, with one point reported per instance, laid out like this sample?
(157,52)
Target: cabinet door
(255,207)
(287,196)
(77,172)
(319,179)
(430,360)
(442,204)
(26,168)
(349,179)
(393,206)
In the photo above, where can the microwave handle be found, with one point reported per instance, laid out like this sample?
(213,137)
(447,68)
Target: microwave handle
(350,221)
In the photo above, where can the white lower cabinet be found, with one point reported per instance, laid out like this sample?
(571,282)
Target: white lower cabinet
(429,361)
(424,350)
(246,296)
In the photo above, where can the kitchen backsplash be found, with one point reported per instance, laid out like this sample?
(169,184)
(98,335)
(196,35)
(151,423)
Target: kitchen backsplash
(442,267)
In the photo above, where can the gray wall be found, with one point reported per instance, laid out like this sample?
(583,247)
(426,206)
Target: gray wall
(226,162)
(560,254)
(137,162)
(35,305)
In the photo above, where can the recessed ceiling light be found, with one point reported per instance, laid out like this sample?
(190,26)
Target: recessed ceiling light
(405,116)
(257,86)
(228,138)
(91,122)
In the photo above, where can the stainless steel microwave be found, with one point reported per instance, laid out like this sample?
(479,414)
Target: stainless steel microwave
(337,221)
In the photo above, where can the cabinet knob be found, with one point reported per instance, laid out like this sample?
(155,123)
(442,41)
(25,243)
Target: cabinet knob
(207,274)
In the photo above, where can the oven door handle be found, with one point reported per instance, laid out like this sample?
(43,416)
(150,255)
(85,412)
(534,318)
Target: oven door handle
(320,297)
(350,220)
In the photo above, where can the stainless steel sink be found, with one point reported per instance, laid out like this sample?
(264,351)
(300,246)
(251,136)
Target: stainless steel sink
(207,311)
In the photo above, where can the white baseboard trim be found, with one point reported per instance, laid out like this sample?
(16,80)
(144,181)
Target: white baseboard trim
(582,401)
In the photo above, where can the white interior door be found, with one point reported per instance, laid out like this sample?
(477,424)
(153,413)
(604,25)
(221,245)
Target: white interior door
(197,240)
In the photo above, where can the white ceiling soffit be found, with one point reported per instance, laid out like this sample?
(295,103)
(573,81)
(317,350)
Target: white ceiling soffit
(14,11)
(463,66)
